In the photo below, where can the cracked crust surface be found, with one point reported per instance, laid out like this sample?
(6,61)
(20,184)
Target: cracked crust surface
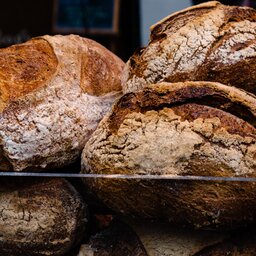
(192,128)
(40,217)
(49,114)
(210,42)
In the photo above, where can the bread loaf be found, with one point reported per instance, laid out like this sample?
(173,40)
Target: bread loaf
(118,239)
(53,92)
(40,217)
(210,42)
(190,128)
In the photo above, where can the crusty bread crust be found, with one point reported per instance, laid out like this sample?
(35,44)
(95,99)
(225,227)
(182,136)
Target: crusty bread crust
(192,128)
(49,115)
(40,217)
(25,68)
(208,42)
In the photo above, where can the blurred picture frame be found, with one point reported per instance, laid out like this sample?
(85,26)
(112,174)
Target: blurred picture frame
(86,17)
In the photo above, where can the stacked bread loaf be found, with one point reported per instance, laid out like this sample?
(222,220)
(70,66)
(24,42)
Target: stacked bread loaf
(188,113)
(190,128)
(53,92)
(187,128)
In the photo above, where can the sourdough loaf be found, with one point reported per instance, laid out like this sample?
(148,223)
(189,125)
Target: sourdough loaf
(40,217)
(53,92)
(190,128)
(210,42)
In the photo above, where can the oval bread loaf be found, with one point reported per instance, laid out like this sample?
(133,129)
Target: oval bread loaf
(53,92)
(206,42)
(40,217)
(190,128)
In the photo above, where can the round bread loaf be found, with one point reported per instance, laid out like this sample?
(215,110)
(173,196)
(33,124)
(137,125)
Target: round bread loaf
(206,42)
(190,128)
(53,92)
(40,217)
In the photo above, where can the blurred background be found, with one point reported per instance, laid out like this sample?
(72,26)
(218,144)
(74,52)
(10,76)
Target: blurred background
(120,25)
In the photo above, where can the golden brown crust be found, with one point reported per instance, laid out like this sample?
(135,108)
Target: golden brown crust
(53,99)
(97,67)
(192,111)
(25,68)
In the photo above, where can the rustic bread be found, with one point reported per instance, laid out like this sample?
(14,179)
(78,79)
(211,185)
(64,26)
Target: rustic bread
(190,128)
(40,217)
(53,92)
(207,42)
(118,239)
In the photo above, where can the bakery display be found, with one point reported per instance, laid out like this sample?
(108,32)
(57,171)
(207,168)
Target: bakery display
(40,217)
(210,41)
(53,92)
(190,128)
(188,110)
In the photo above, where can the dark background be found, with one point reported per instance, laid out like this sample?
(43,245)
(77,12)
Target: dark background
(23,19)
(252,3)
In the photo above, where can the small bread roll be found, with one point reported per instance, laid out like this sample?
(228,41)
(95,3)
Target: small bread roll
(206,42)
(54,90)
(40,217)
(190,128)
